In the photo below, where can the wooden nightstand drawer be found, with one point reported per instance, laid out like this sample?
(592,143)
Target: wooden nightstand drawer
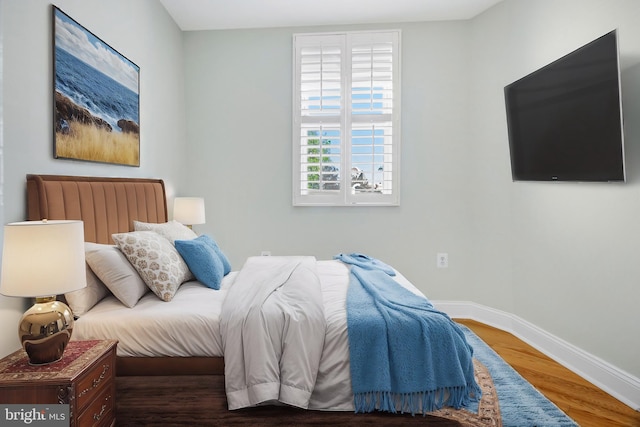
(92,383)
(100,411)
(84,378)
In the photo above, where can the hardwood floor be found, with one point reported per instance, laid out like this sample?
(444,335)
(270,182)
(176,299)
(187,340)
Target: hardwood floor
(582,401)
(199,400)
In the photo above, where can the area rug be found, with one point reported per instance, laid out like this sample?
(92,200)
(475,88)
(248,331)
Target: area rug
(519,403)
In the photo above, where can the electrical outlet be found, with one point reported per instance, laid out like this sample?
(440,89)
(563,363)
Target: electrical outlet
(442,260)
(265,253)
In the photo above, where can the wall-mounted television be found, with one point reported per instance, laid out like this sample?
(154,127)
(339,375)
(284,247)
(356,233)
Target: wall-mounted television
(565,119)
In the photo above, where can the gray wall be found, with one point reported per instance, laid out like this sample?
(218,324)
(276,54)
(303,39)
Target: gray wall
(239,122)
(570,248)
(558,255)
(142,31)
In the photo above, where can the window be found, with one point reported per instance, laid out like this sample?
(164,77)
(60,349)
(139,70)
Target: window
(346,119)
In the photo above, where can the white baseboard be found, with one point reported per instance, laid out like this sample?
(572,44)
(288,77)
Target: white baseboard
(618,383)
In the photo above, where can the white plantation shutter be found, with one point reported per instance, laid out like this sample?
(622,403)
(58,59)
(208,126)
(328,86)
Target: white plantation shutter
(320,102)
(346,118)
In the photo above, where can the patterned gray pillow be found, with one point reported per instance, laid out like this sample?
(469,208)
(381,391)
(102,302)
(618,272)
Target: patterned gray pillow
(157,261)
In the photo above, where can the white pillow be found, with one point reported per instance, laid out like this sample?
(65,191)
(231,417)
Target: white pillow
(82,300)
(156,260)
(172,230)
(115,271)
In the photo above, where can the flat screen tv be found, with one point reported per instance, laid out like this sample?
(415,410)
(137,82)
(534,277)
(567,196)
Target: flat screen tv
(565,119)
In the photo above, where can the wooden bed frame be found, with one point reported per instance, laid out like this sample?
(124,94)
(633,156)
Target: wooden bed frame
(108,206)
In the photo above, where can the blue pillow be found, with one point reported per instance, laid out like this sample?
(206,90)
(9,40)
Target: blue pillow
(212,243)
(202,260)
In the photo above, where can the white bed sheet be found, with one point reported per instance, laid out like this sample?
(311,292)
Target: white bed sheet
(186,326)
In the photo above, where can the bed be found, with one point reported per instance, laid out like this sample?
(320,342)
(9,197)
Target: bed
(110,205)
(186,335)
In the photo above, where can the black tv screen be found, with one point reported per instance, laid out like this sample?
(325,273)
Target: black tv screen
(565,119)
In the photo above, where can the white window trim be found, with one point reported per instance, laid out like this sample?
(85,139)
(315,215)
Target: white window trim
(344,196)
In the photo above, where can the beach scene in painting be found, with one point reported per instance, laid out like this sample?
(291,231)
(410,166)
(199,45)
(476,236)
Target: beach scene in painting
(96,98)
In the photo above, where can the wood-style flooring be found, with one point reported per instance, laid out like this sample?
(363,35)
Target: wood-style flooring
(582,401)
(199,400)
(187,400)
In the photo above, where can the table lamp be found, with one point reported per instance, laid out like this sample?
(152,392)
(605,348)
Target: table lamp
(42,259)
(189,210)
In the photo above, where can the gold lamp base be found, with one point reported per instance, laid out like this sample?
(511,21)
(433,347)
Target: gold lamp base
(45,330)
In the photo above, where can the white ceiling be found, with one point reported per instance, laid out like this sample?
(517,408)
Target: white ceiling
(228,14)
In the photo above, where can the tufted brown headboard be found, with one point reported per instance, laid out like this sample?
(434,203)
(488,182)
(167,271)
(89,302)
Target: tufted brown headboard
(106,205)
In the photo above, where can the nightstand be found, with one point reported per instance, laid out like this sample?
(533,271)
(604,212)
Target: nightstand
(84,378)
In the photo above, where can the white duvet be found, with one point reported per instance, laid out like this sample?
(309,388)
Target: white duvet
(273,329)
(189,325)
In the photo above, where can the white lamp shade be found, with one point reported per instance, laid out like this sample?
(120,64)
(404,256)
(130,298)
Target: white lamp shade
(189,210)
(43,258)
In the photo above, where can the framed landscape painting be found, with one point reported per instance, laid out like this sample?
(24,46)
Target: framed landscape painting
(96,97)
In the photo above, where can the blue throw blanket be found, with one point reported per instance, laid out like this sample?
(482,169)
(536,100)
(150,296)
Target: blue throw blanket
(405,355)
